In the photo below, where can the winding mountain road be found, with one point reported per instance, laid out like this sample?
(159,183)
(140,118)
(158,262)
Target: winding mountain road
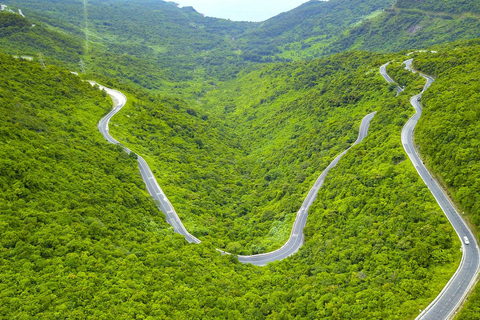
(295,241)
(445,304)
(454,293)
(119,100)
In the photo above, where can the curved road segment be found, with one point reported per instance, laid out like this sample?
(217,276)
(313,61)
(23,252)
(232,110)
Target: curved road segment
(296,236)
(454,293)
(153,188)
(295,242)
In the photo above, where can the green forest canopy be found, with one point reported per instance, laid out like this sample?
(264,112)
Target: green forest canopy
(75,246)
(90,243)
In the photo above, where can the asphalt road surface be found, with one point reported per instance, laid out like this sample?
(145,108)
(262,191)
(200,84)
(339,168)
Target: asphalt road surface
(296,237)
(153,188)
(447,302)
(295,242)
(383,71)
(444,305)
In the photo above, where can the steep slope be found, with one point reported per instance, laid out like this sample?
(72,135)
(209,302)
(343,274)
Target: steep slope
(451,147)
(186,45)
(232,194)
(288,128)
(81,238)
(307,30)
(395,239)
(68,200)
(24,37)
(21,37)
(446,6)
(178,40)
(448,133)
(414,24)
(160,44)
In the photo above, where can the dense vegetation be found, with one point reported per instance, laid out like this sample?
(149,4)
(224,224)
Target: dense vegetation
(179,41)
(450,125)
(19,36)
(307,30)
(244,180)
(160,41)
(401,29)
(80,236)
(449,130)
(82,240)
(185,44)
(447,134)
(161,44)
(447,6)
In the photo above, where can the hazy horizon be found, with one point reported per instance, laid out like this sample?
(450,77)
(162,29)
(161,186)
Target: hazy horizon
(241,10)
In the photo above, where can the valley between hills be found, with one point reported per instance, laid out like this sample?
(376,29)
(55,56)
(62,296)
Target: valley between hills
(232,123)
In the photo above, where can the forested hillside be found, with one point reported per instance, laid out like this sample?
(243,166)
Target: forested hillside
(235,143)
(178,40)
(448,134)
(186,44)
(82,239)
(413,25)
(241,176)
(21,37)
(307,30)
(161,44)
(451,123)
(446,6)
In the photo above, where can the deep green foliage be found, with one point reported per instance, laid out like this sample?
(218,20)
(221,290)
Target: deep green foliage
(410,82)
(241,175)
(185,44)
(403,234)
(21,37)
(401,29)
(160,44)
(11,22)
(179,41)
(447,6)
(18,36)
(448,131)
(306,31)
(375,205)
(80,236)
(402,76)
(81,239)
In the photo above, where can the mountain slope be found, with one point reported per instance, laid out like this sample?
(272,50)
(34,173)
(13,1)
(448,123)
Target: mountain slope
(82,239)
(451,147)
(305,31)
(162,43)
(177,40)
(414,25)
(447,133)
(276,155)
(185,44)
(386,224)
(19,36)
(447,6)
